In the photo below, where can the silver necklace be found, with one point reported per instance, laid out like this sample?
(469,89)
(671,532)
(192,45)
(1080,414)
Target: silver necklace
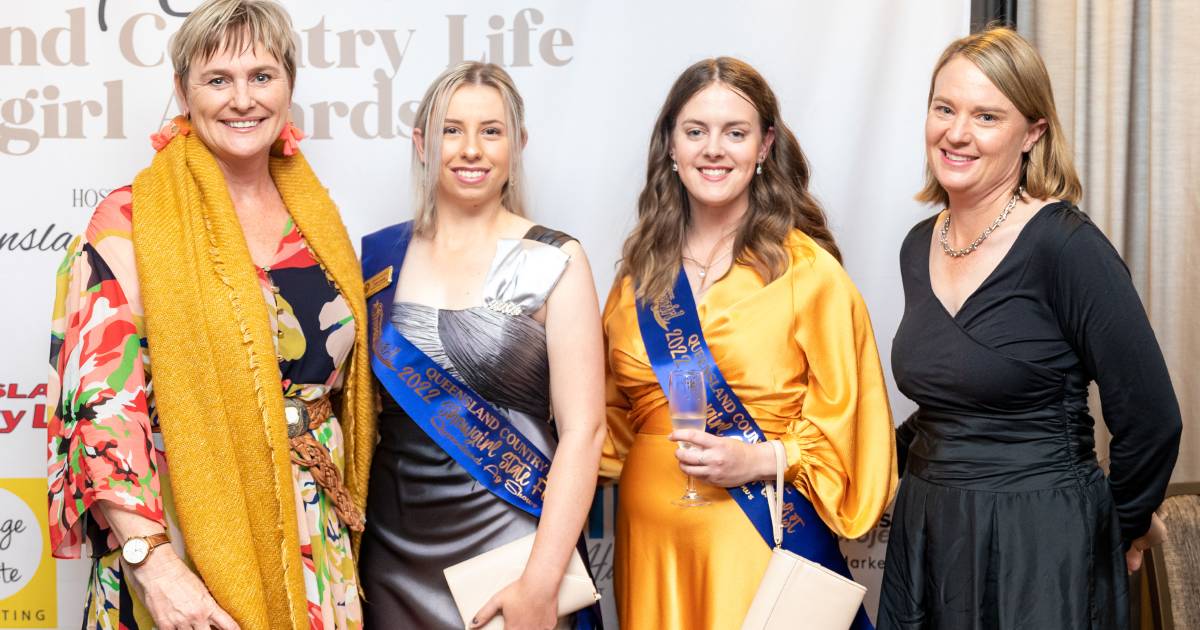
(943,236)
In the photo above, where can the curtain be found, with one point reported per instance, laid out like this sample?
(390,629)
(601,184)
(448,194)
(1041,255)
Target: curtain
(1123,73)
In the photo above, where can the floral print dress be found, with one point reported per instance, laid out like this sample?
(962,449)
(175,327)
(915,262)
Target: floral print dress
(103,434)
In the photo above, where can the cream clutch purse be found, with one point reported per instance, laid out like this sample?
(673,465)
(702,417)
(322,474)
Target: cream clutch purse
(794,588)
(473,582)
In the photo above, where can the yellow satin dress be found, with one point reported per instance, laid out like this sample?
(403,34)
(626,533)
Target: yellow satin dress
(800,354)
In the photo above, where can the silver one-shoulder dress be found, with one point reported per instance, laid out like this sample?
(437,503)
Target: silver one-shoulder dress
(424,511)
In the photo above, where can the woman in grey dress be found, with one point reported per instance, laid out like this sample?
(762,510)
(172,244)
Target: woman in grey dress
(508,308)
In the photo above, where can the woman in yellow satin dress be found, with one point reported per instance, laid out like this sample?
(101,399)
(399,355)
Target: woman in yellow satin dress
(726,196)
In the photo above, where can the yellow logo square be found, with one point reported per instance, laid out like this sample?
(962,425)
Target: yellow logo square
(28,574)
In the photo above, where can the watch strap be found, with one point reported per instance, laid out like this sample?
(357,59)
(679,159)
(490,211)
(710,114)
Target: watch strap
(155,540)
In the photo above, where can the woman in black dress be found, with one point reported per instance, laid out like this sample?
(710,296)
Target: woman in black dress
(1014,302)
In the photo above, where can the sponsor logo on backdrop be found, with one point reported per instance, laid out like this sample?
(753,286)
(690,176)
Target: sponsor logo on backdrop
(88,197)
(22,404)
(94,108)
(28,575)
(863,554)
(50,237)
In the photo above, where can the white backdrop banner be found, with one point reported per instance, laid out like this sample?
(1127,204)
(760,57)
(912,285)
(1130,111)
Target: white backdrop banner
(85,82)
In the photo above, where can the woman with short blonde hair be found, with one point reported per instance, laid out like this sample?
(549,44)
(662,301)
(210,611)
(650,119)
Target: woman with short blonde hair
(1014,302)
(1016,69)
(217,26)
(202,324)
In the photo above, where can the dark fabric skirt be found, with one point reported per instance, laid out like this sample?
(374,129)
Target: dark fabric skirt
(425,513)
(967,559)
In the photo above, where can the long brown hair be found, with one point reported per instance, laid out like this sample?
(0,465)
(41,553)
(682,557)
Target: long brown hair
(779,197)
(1014,66)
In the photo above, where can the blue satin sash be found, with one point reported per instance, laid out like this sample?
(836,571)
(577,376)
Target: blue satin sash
(480,438)
(674,340)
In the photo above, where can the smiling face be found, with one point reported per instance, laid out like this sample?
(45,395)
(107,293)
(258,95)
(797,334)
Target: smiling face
(974,135)
(717,143)
(476,148)
(238,102)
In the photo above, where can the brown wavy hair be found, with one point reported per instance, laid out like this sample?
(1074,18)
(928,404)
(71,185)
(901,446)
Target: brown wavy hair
(1014,66)
(779,197)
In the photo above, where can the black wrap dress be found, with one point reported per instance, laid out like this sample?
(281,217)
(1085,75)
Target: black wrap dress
(1004,519)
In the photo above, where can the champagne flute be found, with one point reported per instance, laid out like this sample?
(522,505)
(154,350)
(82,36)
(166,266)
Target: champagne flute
(689,409)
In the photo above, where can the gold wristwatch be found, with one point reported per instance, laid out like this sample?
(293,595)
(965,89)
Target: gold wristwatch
(135,550)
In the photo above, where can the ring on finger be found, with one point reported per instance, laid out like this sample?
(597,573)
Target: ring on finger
(702,454)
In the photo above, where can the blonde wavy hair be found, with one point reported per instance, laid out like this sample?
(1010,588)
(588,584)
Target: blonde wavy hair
(431,117)
(779,197)
(218,25)
(1014,66)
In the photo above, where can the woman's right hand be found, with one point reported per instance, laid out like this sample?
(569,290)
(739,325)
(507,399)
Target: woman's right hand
(174,596)
(526,603)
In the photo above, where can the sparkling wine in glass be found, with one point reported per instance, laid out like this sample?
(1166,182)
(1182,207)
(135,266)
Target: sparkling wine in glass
(689,408)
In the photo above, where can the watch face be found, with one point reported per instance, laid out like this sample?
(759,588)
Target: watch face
(135,550)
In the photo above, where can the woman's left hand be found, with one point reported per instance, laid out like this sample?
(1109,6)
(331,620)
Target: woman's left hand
(524,606)
(723,462)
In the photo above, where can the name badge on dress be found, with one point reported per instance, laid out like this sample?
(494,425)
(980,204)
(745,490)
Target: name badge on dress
(378,282)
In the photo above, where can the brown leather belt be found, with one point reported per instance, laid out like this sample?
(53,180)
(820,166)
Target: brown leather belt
(303,417)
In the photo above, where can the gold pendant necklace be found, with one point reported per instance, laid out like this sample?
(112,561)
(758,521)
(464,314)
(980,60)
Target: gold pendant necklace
(702,268)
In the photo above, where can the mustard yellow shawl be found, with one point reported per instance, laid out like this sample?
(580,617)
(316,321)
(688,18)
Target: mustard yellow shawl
(217,382)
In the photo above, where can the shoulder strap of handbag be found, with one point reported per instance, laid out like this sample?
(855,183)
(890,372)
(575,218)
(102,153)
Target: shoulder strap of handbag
(471,431)
(774,498)
(673,337)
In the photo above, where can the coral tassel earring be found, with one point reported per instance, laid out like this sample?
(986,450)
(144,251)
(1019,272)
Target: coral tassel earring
(291,137)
